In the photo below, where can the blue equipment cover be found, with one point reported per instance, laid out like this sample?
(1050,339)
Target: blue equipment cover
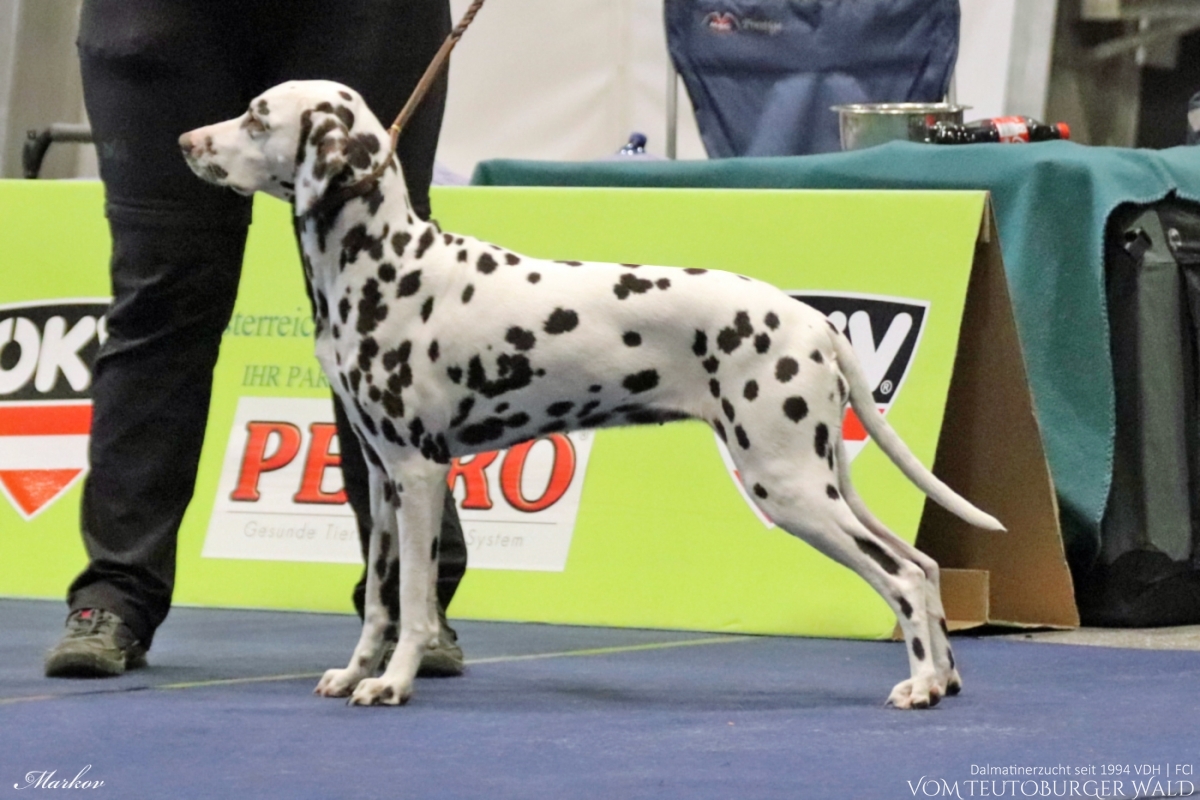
(762,74)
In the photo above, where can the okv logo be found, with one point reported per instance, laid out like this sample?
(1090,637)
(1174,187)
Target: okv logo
(885,333)
(46,354)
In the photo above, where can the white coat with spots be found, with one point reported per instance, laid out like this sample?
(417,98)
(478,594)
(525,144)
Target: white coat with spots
(442,345)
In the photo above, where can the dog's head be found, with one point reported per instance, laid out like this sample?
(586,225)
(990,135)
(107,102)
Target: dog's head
(296,141)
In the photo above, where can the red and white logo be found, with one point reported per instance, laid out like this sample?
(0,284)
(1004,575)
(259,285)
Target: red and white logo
(46,354)
(280,496)
(885,333)
(721,22)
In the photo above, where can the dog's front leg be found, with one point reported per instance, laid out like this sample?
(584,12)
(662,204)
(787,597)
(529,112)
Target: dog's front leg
(421,488)
(381,565)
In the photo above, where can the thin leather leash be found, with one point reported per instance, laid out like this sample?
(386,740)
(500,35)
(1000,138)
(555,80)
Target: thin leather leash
(367,183)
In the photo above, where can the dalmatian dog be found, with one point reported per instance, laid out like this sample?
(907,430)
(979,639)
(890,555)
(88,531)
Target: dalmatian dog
(441,345)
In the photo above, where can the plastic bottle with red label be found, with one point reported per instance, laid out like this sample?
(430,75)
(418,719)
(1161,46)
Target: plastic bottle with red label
(1010,130)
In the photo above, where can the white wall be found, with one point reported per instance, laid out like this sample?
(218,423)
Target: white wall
(560,79)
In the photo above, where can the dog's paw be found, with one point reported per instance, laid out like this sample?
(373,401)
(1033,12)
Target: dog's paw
(914,693)
(337,682)
(377,691)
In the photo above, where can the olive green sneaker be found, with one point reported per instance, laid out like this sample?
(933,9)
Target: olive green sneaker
(97,644)
(444,659)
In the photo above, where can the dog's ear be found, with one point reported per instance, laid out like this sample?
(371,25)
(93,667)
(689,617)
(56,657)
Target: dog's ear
(323,153)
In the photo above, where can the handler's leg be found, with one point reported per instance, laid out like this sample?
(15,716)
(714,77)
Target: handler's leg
(150,71)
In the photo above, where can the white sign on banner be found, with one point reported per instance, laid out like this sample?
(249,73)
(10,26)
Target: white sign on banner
(280,495)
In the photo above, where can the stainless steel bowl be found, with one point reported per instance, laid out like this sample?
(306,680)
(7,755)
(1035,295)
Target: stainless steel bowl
(868,124)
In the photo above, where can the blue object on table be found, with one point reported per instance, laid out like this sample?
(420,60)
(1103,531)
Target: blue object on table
(1052,201)
(762,74)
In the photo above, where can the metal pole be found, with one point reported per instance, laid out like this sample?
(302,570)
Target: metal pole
(672,108)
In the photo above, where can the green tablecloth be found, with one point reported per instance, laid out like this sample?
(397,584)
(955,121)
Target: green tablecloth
(1052,201)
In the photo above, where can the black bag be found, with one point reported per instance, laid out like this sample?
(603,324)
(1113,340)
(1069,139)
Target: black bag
(1146,572)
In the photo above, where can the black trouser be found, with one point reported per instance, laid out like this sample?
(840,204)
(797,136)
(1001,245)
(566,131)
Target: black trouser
(153,69)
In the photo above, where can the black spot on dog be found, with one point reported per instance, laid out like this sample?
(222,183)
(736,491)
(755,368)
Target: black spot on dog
(554,426)
(424,243)
(392,358)
(714,386)
(832,492)
(750,392)
(410,284)
(596,420)
(371,308)
(486,264)
(511,259)
(373,393)
(416,429)
(762,343)
(878,555)
(632,338)
(595,387)
(467,292)
(700,345)
(491,429)
(742,438)
(520,338)
(786,369)
(695,271)
(833,327)
(649,416)
(710,365)
(464,410)
(455,374)
(821,440)
(720,429)
(741,321)
(816,356)
(727,407)
(642,381)
(434,350)
(918,649)
(728,340)
(344,307)
(368,348)
(447,238)
(841,384)
(561,320)
(393,405)
(771,321)
(760,491)
(514,372)
(588,408)
(663,283)
(533,277)
(630,283)
(905,607)
(560,408)
(571,263)
(795,408)
(426,308)
(387,273)
(390,433)
(400,241)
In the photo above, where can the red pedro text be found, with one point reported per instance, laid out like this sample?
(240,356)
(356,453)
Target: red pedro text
(272,446)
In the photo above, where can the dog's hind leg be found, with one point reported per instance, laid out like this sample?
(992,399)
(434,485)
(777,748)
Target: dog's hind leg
(382,575)
(821,517)
(420,493)
(939,645)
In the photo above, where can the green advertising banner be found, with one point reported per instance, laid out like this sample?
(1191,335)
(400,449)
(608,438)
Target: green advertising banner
(644,527)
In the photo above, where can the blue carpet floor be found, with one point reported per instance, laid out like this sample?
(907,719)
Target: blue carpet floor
(601,714)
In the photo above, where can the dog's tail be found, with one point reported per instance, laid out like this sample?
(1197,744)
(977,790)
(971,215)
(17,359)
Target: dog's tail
(863,404)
